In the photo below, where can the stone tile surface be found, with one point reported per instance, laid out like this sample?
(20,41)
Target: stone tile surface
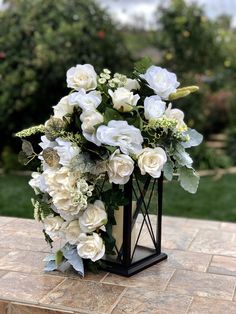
(25,309)
(84,295)
(211,306)
(214,242)
(172,238)
(202,284)
(27,287)
(136,300)
(199,275)
(153,278)
(225,265)
(187,260)
(23,261)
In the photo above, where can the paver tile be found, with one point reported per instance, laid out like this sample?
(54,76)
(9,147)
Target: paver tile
(83,295)
(153,278)
(202,284)
(26,287)
(135,301)
(211,306)
(188,260)
(224,265)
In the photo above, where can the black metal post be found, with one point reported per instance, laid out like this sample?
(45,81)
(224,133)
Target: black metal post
(159,212)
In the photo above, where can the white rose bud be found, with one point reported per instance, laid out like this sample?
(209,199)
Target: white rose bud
(154,107)
(91,247)
(161,81)
(89,119)
(82,76)
(52,225)
(123,99)
(177,115)
(72,231)
(93,217)
(119,168)
(151,161)
(62,108)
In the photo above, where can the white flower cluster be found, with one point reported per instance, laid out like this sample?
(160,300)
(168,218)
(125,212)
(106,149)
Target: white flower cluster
(112,115)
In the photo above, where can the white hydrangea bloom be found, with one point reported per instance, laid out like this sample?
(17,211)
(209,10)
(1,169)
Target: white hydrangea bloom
(66,151)
(86,101)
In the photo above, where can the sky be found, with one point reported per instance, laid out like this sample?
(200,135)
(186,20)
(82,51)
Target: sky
(123,10)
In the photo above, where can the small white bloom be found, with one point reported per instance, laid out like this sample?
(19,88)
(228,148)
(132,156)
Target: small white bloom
(154,107)
(62,108)
(72,231)
(93,217)
(81,76)
(151,161)
(177,115)
(121,134)
(123,99)
(102,80)
(161,81)
(91,247)
(119,168)
(37,182)
(52,225)
(89,119)
(89,101)
(132,84)
(66,151)
(45,143)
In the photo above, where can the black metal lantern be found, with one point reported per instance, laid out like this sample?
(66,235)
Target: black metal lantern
(138,233)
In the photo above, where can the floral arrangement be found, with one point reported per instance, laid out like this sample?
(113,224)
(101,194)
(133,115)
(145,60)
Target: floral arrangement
(106,128)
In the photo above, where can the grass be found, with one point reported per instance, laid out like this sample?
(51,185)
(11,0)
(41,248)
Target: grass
(214,200)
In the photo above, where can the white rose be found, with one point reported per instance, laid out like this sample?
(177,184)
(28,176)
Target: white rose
(66,151)
(161,81)
(81,76)
(91,247)
(121,134)
(151,161)
(89,101)
(93,217)
(72,231)
(38,182)
(123,99)
(62,108)
(132,84)
(154,107)
(177,115)
(119,168)
(52,225)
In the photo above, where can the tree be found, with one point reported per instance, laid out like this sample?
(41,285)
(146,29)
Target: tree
(39,41)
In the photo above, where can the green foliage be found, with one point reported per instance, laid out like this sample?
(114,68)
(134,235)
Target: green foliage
(40,40)
(188,38)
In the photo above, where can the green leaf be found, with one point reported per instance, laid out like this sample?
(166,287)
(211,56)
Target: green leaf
(112,114)
(47,238)
(195,138)
(23,158)
(182,157)
(142,65)
(58,257)
(189,179)
(168,170)
(27,148)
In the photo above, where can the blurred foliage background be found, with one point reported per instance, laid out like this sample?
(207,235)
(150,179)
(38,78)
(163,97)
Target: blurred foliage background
(40,40)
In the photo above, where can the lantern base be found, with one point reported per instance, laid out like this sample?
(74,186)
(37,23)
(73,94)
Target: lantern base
(136,266)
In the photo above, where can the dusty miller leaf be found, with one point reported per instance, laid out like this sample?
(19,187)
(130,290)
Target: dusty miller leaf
(27,148)
(189,179)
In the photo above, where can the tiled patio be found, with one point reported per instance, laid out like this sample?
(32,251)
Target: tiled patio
(198,277)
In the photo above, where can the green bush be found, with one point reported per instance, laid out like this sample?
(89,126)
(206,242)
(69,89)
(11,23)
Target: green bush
(39,41)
